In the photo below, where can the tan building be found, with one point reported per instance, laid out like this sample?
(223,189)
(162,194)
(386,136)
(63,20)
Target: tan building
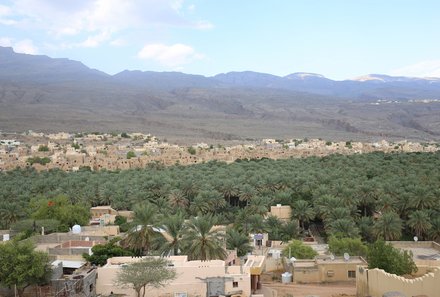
(194,278)
(282,212)
(378,283)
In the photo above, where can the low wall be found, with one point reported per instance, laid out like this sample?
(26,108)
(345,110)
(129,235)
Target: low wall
(376,282)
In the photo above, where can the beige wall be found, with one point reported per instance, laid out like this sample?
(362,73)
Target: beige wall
(376,282)
(282,212)
(190,275)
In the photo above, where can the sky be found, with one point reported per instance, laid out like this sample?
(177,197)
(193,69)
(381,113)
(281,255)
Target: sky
(340,39)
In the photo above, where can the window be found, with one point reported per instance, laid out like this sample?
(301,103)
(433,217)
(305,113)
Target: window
(330,273)
(352,274)
(235,284)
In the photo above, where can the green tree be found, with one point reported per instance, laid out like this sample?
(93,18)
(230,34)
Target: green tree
(192,150)
(131,154)
(388,226)
(22,266)
(384,256)
(43,148)
(302,211)
(61,209)
(140,239)
(102,252)
(239,241)
(201,241)
(434,232)
(148,272)
(352,246)
(344,227)
(419,222)
(299,250)
(174,228)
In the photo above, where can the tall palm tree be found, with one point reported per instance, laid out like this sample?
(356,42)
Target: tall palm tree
(302,211)
(239,241)
(174,228)
(419,222)
(273,225)
(388,226)
(201,241)
(141,237)
(434,232)
(247,193)
(177,199)
(344,227)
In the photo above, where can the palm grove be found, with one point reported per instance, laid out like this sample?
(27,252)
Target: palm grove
(370,196)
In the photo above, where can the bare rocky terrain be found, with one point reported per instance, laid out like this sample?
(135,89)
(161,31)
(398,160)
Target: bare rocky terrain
(50,95)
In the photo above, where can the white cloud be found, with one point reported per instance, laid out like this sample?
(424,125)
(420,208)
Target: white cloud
(25,46)
(169,55)
(85,16)
(430,68)
(118,42)
(5,41)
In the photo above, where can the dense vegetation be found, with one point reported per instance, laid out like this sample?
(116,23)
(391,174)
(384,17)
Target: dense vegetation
(388,196)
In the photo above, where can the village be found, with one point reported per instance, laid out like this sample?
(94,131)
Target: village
(119,151)
(267,271)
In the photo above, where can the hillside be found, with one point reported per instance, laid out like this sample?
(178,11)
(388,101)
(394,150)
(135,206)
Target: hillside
(41,93)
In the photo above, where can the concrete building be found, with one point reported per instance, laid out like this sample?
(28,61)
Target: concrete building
(282,212)
(194,278)
(425,282)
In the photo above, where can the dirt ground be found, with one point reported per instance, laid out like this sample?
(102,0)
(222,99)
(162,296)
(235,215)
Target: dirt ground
(314,290)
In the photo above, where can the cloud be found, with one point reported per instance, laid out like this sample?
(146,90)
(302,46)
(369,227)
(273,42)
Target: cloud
(25,46)
(74,17)
(429,68)
(169,55)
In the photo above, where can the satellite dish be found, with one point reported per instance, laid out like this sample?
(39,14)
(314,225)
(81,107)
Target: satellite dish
(87,238)
(76,229)
(293,259)
(416,238)
(332,257)
(346,256)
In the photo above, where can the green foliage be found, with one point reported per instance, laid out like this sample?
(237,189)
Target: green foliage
(43,148)
(75,146)
(384,256)
(299,250)
(239,241)
(148,272)
(352,246)
(192,150)
(21,265)
(201,241)
(30,226)
(38,160)
(102,252)
(61,209)
(131,154)
(125,135)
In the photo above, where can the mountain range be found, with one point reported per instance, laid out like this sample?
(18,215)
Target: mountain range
(42,93)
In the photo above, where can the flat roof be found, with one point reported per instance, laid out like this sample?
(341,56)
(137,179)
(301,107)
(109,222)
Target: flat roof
(69,264)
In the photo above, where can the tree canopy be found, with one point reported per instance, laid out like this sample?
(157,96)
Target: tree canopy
(148,272)
(22,266)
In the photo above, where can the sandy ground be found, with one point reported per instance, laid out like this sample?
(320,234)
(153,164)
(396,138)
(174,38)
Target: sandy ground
(314,290)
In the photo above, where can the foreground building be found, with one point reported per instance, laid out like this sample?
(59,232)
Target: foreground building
(194,278)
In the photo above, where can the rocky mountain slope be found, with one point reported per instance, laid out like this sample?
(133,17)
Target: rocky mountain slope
(41,93)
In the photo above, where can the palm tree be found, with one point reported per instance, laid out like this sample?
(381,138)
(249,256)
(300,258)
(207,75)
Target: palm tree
(238,241)
(344,227)
(365,224)
(174,228)
(273,225)
(419,222)
(201,241)
(289,231)
(256,224)
(177,199)
(388,226)
(247,193)
(9,214)
(141,237)
(302,211)
(434,232)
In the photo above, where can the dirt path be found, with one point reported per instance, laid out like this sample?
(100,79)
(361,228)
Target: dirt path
(314,290)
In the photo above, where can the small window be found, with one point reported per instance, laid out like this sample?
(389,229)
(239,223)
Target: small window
(352,274)
(235,284)
(330,273)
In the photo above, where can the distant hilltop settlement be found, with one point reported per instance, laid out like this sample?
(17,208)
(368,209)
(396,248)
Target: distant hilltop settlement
(111,151)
